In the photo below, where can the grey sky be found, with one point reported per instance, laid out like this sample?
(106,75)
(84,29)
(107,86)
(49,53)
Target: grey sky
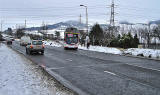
(52,11)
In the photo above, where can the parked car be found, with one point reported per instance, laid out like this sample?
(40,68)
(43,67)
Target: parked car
(25,40)
(35,46)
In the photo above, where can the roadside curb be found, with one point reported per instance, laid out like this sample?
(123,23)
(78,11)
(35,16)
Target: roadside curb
(128,55)
(65,82)
(141,57)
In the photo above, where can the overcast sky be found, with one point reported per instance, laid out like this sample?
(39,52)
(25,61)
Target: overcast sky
(14,12)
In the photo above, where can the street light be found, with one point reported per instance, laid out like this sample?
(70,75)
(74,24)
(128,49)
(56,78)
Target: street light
(86,16)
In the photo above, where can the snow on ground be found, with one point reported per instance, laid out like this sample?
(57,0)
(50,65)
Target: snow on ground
(19,76)
(102,49)
(143,52)
(52,43)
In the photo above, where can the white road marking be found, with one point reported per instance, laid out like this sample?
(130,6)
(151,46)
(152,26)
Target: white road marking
(110,73)
(69,59)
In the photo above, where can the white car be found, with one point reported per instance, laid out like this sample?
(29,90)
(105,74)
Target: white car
(35,46)
(25,40)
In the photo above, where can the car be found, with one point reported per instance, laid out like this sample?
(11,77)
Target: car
(8,41)
(12,38)
(35,46)
(25,40)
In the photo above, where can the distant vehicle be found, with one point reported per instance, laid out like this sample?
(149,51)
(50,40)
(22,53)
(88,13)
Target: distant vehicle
(25,40)
(71,38)
(8,41)
(35,46)
(12,38)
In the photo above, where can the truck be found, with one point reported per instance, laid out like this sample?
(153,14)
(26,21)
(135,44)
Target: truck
(25,40)
(71,38)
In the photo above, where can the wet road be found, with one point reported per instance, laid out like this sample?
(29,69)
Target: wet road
(93,73)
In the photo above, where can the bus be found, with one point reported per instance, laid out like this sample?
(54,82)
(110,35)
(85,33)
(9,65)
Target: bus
(71,38)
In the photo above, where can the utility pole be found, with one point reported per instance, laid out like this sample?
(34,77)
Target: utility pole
(1,25)
(149,30)
(86,17)
(80,19)
(112,23)
(112,18)
(25,24)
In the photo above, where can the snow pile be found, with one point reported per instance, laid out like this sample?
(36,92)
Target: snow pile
(143,52)
(17,40)
(102,49)
(52,43)
(19,76)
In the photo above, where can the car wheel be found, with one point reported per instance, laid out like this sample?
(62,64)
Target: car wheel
(76,49)
(65,48)
(42,52)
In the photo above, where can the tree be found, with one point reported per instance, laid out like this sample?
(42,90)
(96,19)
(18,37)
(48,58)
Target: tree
(126,41)
(156,32)
(96,35)
(9,31)
(57,34)
(115,42)
(136,41)
(20,33)
(1,37)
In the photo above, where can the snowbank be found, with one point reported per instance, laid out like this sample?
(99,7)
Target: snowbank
(52,43)
(102,49)
(143,52)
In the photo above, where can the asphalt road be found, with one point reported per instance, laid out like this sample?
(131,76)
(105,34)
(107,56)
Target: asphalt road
(93,73)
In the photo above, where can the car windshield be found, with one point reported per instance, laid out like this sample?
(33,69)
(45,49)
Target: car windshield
(37,42)
(72,40)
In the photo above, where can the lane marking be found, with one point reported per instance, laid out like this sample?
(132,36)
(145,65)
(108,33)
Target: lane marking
(110,73)
(69,60)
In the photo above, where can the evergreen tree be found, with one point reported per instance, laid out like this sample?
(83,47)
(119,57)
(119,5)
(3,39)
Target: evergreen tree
(9,31)
(136,41)
(57,34)
(96,35)
(20,33)
(0,37)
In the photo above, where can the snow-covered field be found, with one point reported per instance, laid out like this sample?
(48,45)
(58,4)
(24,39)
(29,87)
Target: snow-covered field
(19,76)
(143,52)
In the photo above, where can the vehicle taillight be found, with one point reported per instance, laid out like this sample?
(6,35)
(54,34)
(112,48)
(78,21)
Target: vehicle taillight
(43,46)
(31,46)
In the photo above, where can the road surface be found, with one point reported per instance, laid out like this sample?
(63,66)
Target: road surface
(93,73)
